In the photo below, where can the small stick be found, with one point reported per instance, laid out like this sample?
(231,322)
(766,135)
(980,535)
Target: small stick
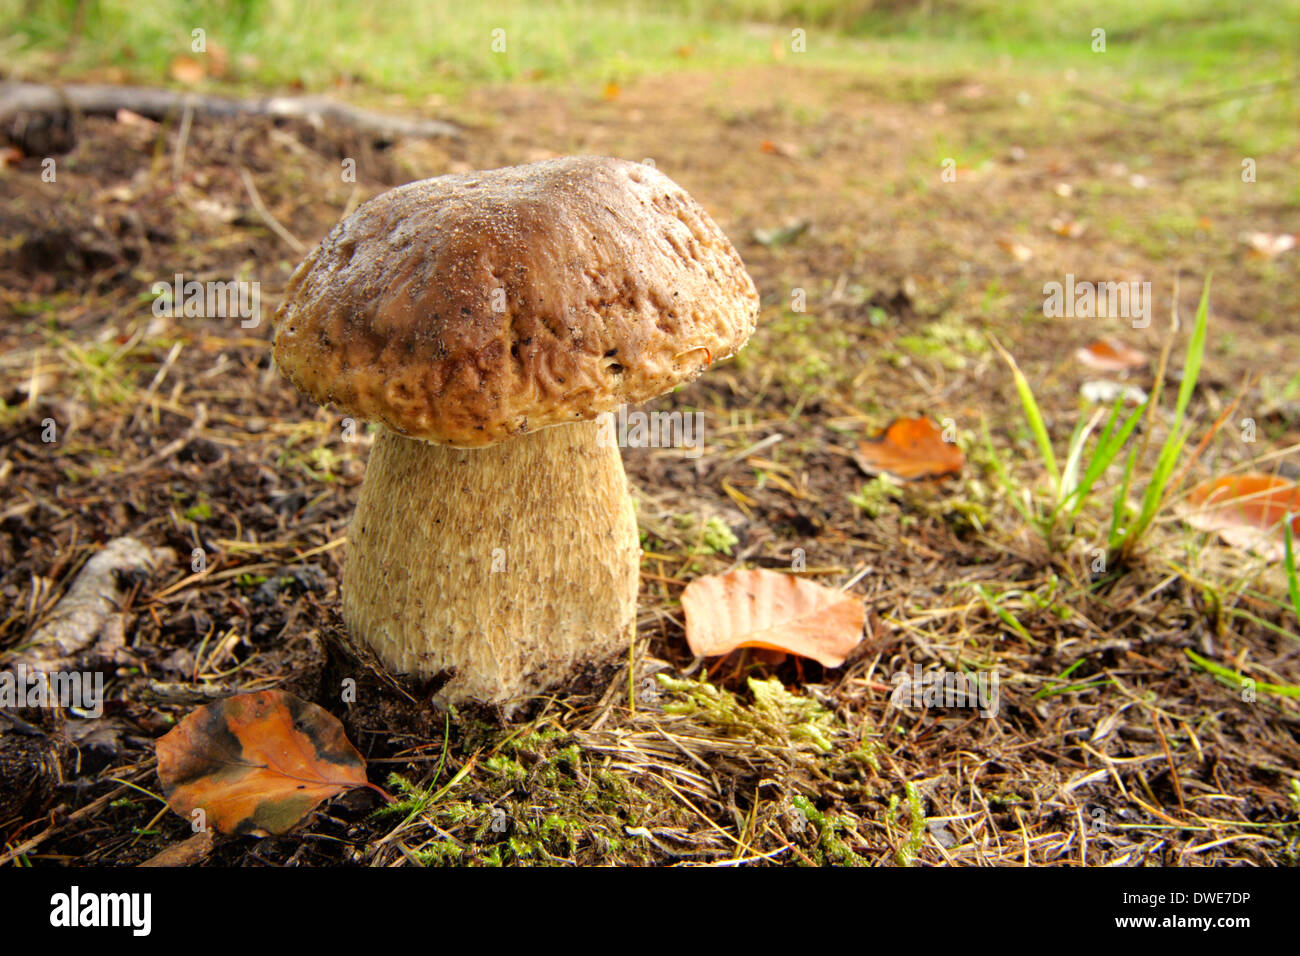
(274,224)
(182,140)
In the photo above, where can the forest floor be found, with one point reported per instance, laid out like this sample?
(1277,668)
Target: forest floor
(882,283)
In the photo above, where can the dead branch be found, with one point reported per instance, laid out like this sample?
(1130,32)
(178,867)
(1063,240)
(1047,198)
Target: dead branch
(32,110)
(88,614)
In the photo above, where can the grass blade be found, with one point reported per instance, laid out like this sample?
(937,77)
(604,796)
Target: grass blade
(1034,417)
(1292,582)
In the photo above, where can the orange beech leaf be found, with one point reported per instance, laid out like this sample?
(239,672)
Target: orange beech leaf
(775,611)
(773,148)
(257,763)
(912,449)
(1110,355)
(1247,511)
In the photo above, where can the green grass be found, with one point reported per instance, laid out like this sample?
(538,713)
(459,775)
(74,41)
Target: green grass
(444,46)
(1072,489)
(1235,680)
(1124,536)
(1292,578)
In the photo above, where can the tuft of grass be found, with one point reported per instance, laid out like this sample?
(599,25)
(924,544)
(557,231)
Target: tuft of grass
(1123,540)
(1073,485)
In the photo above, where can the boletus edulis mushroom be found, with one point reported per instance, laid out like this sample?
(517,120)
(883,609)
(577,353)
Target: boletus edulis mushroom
(484,320)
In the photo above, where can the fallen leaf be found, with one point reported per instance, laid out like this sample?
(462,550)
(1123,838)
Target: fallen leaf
(1266,245)
(773,148)
(1247,511)
(612,91)
(1067,228)
(130,118)
(911,449)
(774,611)
(187,70)
(1110,355)
(1018,250)
(257,763)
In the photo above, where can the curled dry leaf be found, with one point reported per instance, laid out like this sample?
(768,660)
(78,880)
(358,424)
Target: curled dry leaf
(1247,511)
(771,610)
(257,763)
(911,449)
(131,118)
(1268,245)
(1110,355)
(1017,250)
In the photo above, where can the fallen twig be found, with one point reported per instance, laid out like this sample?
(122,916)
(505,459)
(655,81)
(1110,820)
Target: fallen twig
(21,101)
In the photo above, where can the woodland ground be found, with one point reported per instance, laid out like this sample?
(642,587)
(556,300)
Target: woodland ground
(1111,745)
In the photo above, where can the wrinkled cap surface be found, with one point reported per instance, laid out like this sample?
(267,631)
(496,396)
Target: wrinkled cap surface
(469,308)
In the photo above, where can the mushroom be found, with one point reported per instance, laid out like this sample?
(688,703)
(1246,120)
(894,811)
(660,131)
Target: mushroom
(484,320)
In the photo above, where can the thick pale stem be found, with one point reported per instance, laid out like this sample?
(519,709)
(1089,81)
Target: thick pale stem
(507,567)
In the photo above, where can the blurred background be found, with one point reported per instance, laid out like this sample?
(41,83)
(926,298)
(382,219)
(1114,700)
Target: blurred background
(442,46)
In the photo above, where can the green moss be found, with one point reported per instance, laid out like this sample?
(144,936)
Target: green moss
(775,716)
(877,496)
(830,847)
(916,833)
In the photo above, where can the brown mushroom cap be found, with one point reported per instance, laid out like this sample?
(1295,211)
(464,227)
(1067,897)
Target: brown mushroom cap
(469,308)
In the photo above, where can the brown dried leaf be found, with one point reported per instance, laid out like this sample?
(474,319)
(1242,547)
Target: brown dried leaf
(911,449)
(1111,355)
(771,610)
(1248,511)
(257,763)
